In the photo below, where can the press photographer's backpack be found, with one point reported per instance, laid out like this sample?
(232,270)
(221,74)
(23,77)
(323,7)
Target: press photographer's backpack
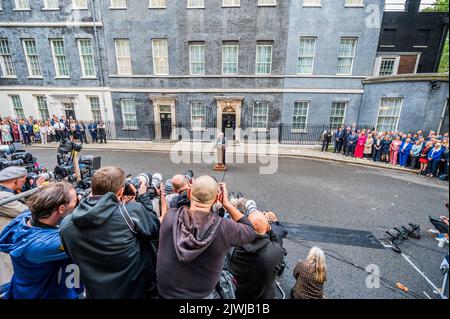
(226,287)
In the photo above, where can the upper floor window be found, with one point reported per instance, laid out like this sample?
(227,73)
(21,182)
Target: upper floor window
(118,4)
(79,4)
(230,53)
(86,57)
(263,59)
(306,54)
(157,4)
(59,58)
(313,3)
(386,65)
(32,58)
(6,62)
(160,57)
(22,5)
(231,3)
(267,2)
(354,3)
(197,59)
(346,55)
(195,3)
(51,4)
(123,56)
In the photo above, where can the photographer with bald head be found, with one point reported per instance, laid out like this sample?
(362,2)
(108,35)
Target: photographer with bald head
(193,242)
(256,265)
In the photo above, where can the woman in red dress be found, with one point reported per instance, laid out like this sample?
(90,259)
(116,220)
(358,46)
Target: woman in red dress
(15,131)
(423,159)
(359,151)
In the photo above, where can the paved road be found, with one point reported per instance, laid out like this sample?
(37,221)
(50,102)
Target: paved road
(334,195)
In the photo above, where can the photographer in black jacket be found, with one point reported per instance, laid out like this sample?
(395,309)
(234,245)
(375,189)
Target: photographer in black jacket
(255,266)
(114,243)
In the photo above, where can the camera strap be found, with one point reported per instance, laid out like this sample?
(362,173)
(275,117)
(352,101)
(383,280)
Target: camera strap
(127,218)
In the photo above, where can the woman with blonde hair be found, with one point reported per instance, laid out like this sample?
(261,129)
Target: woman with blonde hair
(310,276)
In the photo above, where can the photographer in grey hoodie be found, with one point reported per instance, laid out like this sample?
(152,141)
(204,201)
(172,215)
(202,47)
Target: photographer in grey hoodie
(194,242)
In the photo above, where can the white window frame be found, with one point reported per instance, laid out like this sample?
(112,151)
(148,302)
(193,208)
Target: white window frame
(83,70)
(166,57)
(3,63)
(354,4)
(78,6)
(55,62)
(399,111)
(343,116)
(30,75)
(18,7)
(260,129)
(11,98)
(191,46)
(265,3)
(123,63)
(312,3)
(153,6)
(231,4)
(230,44)
(47,6)
(379,59)
(346,57)
(116,6)
(125,126)
(99,110)
(313,56)
(191,6)
(264,63)
(300,130)
(202,125)
(42,98)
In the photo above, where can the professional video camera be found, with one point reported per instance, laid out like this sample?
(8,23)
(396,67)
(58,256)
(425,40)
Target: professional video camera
(12,155)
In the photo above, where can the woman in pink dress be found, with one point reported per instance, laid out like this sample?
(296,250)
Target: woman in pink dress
(359,151)
(393,150)
(16,132)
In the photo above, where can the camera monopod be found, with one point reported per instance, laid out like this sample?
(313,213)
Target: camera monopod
(10,199)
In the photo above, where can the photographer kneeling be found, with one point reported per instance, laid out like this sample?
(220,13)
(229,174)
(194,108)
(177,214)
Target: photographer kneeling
(256,265)
(114,243)
(41,265)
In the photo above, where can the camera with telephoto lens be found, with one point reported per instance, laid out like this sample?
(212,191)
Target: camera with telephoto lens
(189,175)
(66,147)
(4,163)
(137,181)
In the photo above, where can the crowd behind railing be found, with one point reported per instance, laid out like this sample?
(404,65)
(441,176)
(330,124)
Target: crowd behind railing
(425,153)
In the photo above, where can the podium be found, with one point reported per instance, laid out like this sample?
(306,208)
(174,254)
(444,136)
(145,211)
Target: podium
(220,165)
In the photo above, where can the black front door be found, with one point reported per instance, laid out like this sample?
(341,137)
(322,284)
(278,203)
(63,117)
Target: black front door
(229,125)
(70,114)
(166,125)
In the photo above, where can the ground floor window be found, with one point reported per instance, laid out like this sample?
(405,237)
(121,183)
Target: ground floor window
(300,115)
(17,106)
(337,114)
(42,107)
(389,113)
(198,115)
(260,115)
(129,114)
(95,109)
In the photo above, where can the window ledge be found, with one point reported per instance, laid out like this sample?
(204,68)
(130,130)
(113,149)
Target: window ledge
(79,8)
(164,7)
(312,6)
(299,130)
(22,9)
(420,46)
(387,46)
(267,5)
(130,129)
(259,130)
(88,78)
(305,73)
(354,6)
(231,6)
(9,77)
(195,7)
(35,77)
(117,8)
(50,9)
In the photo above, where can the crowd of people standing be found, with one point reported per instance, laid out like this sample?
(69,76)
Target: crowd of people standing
(428,154)
(53,130)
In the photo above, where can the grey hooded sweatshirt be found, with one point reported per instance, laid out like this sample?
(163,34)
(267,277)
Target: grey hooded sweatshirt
(115,262)
(192,249)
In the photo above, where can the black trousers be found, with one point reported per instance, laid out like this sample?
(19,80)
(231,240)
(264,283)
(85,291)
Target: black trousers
(439,225)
